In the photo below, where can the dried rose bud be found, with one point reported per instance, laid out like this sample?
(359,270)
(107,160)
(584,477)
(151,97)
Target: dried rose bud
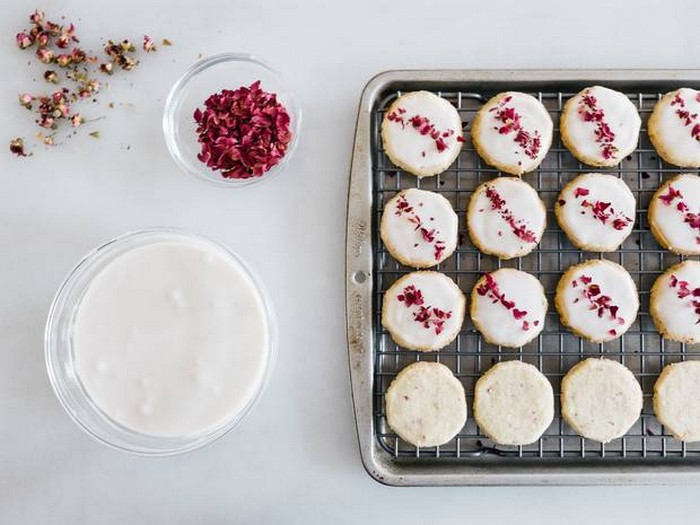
(17,147)
(43,39)
(51,76)
(26,99)
(47,122)
(63,60)
(24,40)
(127,46)
(48,140)
(78,55)
(76,120)
(57,97)
(107,68)
(45,55)
(37,16)
(148,44)
(128,63)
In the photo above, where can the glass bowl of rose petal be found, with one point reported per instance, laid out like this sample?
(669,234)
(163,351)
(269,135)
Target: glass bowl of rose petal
(231,120)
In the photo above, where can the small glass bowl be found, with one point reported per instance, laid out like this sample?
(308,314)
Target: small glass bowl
(60,365)
(211,75)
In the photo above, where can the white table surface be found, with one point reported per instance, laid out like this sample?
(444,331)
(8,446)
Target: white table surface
(295,458)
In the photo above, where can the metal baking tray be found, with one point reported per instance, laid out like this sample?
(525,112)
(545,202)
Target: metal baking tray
(647,454)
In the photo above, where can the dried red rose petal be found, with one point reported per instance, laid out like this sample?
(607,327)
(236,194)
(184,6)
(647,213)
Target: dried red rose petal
(243,133)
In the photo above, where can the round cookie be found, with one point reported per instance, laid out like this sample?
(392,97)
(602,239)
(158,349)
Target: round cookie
(506,217)
(600,399)
(600,126)
(596,211)
(677,400)
(513,403)
(674,214)
(597,300)
(419,228)
(674,128)
(426,405)
(512,132)
(422,133)
(675,302)
(423,310)
(508,307)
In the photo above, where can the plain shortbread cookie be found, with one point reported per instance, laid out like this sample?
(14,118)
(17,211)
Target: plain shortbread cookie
(426,405)
(600,399)
(513,403)
(677,400)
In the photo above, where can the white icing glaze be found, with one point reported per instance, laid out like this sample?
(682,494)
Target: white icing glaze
(490,228)
(437,291)
(674,304)
(413,150)
(586,219)
(511,314)
(674,132)
(614,282)
(670,221)
(419,227)
(498,143)
(619,114)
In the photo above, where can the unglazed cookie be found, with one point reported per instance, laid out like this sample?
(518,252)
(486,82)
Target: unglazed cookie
(513,403)
(508,307)
(675,302)
(674,214)
(599,126)
(600,399)
(423,310)
(512,132)
(419,228)
(422,133)
(426,405)
(674,128)
(597,300)
(677,400)
(506,217)
(596,212)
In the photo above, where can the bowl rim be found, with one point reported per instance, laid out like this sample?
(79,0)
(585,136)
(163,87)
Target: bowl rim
(174,100)
(195,441)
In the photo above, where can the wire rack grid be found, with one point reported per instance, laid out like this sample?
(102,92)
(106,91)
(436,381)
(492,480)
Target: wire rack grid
(555,350)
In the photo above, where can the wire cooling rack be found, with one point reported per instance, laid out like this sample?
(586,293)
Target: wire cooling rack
(555,350)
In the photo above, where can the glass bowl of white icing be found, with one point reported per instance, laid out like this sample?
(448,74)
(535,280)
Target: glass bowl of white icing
(159,342)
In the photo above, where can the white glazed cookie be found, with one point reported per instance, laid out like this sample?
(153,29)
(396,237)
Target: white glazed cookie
(675,302)
(677,400)
(600,399)
(419,228)
(674,214)
(423,310)
(597,300)
(513,403)
(426,405)
(596,211)
(422,133)
(512,132)
(599,126)
(508,307)
(506,217)
(674,128)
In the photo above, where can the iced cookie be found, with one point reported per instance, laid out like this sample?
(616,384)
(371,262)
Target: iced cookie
(597,300)
(675,302)
(513,403)
(422,133)
(600,399)
(419,228)
(677,400)
(423,310)
(600,126)
(596,212)
(426,405)
(506,217)
(674,128)
(512,132)
(674,214)
(508,307)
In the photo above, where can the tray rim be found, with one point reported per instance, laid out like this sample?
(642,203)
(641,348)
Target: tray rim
(360,338)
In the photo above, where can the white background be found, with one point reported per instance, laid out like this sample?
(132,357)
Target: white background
(295,458)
